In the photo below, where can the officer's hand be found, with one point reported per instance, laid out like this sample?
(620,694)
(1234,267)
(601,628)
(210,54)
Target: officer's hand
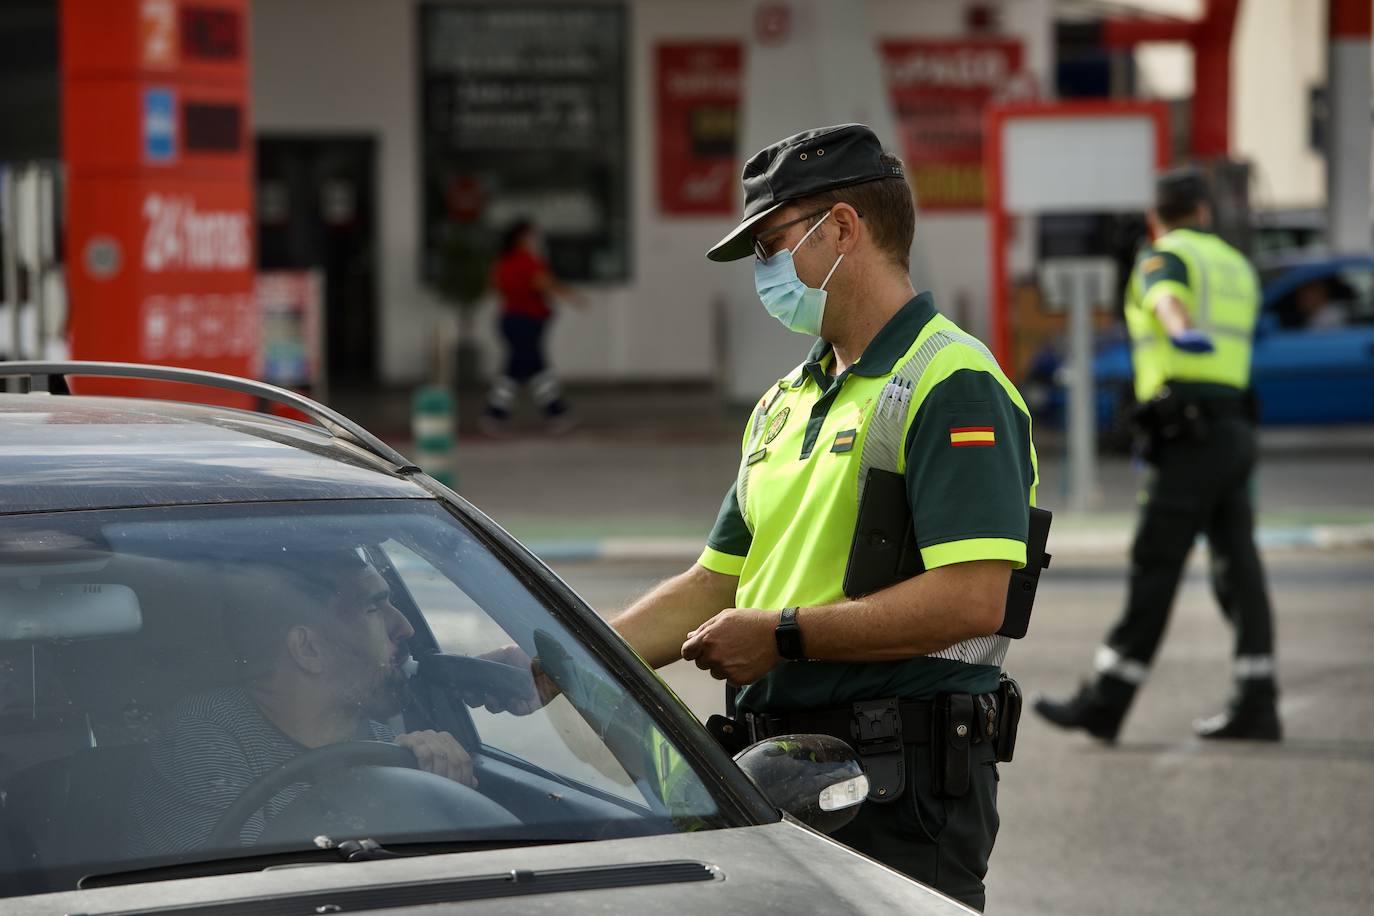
(439,753)
(541,688)
(736,645)
(1192,341)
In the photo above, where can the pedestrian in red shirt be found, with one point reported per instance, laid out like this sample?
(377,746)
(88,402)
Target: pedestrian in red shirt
(525,283)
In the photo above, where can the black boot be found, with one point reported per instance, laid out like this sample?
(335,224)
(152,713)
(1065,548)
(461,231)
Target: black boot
(1251,716)
(1096,711)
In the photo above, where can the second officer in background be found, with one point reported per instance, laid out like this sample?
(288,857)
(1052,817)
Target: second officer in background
(1192,305)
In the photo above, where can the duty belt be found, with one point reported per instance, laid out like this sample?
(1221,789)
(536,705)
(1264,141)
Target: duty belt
(869,720)
(1225,408)
(879,729)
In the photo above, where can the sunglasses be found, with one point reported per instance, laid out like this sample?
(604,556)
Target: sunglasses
(761,252)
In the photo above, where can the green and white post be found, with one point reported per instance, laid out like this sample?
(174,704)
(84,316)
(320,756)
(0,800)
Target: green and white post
(432,426)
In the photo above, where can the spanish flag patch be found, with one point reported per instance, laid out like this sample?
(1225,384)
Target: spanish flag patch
(972,435)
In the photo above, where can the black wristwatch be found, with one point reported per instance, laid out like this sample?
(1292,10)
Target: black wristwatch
(789,637)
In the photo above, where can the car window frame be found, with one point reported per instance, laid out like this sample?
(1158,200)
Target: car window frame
(732,790)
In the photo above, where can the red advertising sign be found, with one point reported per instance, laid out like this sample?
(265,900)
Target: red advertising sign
(157,149)
(698,108)
(939,89)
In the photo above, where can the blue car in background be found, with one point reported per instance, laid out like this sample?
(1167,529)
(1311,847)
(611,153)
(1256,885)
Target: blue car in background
(1313,358)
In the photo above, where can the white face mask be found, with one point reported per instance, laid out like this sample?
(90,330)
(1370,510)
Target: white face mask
(799,307)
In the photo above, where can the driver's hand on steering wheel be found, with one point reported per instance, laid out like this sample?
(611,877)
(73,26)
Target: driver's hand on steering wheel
(441,754)
(544,689)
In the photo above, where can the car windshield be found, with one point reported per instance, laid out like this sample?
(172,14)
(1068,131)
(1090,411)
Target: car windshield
(189,683)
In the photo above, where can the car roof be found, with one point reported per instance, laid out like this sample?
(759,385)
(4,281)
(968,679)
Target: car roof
(1312,260)
(62,452)
(1287,274)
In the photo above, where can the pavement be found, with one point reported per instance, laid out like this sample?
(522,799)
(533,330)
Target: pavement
(643,474)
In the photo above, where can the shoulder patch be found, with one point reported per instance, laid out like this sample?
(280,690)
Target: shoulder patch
(960,436)
(1161,266)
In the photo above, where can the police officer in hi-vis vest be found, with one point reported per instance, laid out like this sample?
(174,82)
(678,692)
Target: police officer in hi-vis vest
(912,673)
(1191,310)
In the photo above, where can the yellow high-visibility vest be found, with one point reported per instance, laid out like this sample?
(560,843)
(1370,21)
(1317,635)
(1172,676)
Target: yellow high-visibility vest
(1221,295)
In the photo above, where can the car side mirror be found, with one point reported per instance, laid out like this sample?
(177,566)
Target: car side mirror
(815,778)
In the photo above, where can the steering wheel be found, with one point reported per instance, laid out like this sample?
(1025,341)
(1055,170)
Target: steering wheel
(307,767)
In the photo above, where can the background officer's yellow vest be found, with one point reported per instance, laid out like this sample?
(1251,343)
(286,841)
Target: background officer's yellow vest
(1222,300)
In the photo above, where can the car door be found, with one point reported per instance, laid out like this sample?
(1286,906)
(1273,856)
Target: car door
(1314,347)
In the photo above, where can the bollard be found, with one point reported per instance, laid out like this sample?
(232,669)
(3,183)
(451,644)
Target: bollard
(431,424)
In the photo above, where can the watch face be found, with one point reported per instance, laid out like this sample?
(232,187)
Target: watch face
(788,635)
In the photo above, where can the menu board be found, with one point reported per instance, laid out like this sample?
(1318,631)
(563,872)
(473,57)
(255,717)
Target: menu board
(523,114)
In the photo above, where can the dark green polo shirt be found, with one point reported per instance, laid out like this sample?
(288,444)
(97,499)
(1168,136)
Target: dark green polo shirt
(970,473)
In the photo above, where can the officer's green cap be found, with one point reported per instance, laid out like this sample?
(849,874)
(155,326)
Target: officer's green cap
(804,164)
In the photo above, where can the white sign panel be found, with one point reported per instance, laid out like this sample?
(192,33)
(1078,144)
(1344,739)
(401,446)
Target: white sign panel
(1078,164)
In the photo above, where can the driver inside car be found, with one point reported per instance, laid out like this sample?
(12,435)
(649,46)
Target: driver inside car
(320,649)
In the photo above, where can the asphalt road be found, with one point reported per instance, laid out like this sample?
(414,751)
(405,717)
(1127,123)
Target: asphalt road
(1162,823)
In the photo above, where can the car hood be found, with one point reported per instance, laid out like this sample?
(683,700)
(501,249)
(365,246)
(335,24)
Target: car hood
(780,867)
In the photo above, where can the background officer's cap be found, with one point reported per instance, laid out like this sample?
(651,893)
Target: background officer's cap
(1180,191)
(802,165)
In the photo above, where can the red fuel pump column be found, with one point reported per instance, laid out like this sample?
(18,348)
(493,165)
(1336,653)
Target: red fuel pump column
(156,143)
(1210,37)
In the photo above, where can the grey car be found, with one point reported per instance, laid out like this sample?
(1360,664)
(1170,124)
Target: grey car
(233,645)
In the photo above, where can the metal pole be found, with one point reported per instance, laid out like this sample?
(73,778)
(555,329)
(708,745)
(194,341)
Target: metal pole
(1082,400)
(9,257)
(25,246)
(1079,285)
(46,251)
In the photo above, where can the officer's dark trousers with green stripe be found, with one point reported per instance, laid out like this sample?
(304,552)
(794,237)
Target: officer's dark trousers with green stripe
(943,842)
(1199,485)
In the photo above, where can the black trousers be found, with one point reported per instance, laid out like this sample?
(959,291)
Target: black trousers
(1199,485)
(943,842)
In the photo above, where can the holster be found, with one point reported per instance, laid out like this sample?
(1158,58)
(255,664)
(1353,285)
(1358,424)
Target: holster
(1167,417)
(953,731)
(1008,717)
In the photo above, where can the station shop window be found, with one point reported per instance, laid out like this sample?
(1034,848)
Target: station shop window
(524,115)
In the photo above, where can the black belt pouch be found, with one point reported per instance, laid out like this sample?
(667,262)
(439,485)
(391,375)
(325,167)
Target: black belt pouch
(1008,717)
(952,725)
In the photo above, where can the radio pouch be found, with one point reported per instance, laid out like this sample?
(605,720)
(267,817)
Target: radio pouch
(884,551)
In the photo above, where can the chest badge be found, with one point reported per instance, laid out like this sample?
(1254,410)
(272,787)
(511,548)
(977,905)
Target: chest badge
(776,424)
(844,441)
